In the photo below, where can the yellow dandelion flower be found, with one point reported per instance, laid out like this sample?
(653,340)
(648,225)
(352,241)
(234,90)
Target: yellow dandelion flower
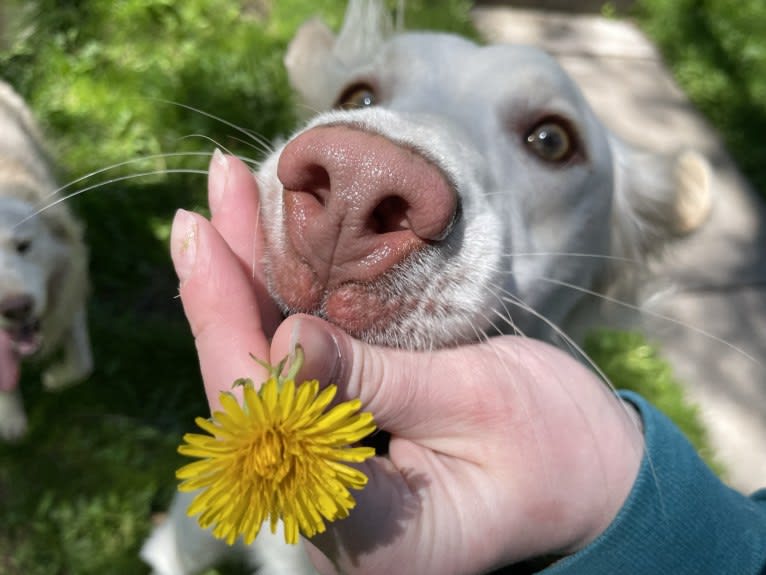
(277,456)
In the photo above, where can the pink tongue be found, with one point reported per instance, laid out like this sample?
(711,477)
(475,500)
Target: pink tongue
(9,364)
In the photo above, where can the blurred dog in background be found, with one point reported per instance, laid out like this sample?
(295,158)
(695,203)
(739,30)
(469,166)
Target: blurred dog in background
(43,268)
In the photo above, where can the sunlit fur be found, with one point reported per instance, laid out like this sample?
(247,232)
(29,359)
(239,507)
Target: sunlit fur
(467,109)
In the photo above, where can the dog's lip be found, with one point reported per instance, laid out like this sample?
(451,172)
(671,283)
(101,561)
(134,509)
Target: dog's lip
(25,337)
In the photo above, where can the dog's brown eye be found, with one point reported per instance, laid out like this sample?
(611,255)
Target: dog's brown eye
(357,96)
(551,141)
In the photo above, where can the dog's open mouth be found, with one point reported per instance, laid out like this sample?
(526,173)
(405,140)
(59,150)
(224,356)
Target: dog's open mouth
(17,340)
(24,337)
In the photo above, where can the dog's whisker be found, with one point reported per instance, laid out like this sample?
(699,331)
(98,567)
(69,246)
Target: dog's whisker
(223,148)
(507,297)
(252,135)
(506,319)
(621,259)
(651,313)
(505,315)
(579,352)
(566,338)
(246,159)
(501,354)
(481,333)
(207,138)
(109,182)
(249,161)
(258,148)
(604,378)
(111,167)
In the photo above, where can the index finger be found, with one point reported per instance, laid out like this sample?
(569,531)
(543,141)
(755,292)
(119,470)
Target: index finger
(219,303)
(234,204)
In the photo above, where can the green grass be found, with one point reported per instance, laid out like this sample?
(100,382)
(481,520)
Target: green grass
(78,494)
(108,81)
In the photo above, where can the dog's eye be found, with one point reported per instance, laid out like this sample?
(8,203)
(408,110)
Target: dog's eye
(22,246)
(357,96)
(551,140)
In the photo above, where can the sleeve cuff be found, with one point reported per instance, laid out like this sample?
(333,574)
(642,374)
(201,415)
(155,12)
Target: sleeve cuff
(679,517)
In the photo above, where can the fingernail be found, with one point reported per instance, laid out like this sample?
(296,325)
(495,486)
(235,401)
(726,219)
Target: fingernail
(183,243)
(322,351)
(218,174)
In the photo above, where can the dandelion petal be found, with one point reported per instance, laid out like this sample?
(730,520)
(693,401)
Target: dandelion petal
(276,457)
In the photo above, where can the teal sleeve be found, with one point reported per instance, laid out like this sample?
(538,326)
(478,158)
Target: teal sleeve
(678,519)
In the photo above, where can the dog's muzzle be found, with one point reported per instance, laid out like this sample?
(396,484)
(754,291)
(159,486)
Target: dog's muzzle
(18,321)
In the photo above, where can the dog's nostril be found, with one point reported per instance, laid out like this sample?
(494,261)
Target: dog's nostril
(16,308)
(315,182)
(390,215)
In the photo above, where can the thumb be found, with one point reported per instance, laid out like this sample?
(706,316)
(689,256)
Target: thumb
(387,510)
(403,389)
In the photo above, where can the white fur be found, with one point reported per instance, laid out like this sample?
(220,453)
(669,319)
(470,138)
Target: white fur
(179,546)
(467,109)
(42,257)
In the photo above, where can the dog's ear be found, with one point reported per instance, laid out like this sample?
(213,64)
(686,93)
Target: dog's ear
(657,198)
(318,63)
(694,193)
(310,67)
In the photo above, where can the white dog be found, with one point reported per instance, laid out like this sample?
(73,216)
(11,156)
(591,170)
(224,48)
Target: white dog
(444,193)
(43,268)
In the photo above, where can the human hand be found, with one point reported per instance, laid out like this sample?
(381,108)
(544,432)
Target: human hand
(196,247)
(499,451)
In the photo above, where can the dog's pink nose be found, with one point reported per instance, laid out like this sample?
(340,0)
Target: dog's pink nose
(357,204)
(17,308)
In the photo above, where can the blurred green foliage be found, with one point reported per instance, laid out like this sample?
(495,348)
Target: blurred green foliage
(113,82)
(110,82)
(717,51)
